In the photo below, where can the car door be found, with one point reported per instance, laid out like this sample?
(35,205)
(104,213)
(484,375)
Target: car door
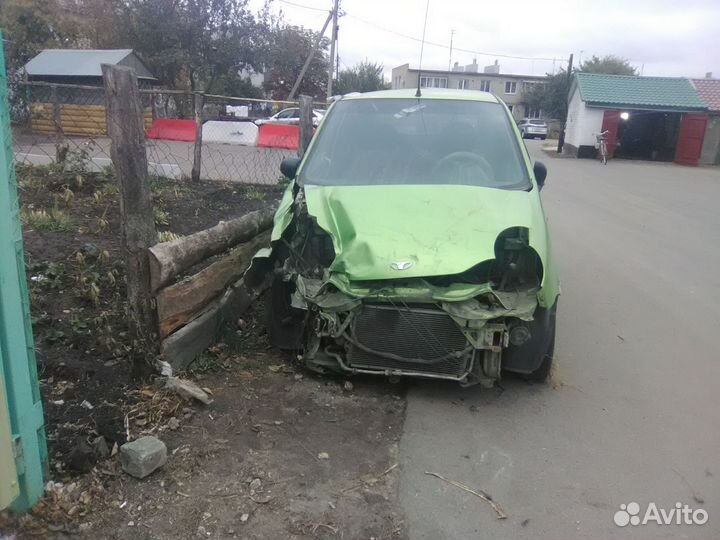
(281,117)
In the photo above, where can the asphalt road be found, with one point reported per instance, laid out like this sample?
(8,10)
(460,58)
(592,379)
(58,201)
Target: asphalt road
(633,411)
(173,159)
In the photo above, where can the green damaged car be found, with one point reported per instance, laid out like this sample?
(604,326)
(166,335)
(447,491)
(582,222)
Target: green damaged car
(411,241)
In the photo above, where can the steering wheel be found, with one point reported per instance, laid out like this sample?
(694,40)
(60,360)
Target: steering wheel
(465,168)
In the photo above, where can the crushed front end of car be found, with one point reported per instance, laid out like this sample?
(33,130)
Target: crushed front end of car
(353,299)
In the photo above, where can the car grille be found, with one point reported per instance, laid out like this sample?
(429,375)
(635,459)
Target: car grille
(419,337)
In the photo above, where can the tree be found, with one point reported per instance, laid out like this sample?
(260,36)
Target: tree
(550,96)
(193,44)
(30,26)
(609,64)
(363,77)
(288,49)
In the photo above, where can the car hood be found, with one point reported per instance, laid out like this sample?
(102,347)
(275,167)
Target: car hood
(429,230)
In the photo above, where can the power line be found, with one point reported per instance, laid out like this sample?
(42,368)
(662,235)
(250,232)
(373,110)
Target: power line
(413,38)
(478,53)
(303,6)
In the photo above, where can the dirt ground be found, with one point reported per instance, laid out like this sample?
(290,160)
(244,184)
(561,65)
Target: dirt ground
(280,453)
(77,292)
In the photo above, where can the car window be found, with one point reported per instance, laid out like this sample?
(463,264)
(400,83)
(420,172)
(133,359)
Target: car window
(537,122)
(294,113)
(410,141)
(287,113)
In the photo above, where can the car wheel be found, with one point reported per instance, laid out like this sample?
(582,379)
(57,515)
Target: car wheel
(522,133)
(542,137)
(542,373)
(285,324)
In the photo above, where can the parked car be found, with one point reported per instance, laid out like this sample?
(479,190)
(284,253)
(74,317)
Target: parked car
(411,241)
(290,116)
(532,127)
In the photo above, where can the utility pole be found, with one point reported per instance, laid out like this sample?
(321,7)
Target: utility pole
(310,57)
(452,33)
(333,41)
(561,138)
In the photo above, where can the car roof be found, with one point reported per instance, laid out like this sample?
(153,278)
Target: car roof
(427,93)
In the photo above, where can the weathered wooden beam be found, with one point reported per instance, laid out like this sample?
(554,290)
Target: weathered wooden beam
(182,347)
(199,102)
(126,130)
(182,302)
(169,259)
(306,124)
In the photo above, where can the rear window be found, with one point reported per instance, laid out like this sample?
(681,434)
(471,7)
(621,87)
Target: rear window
(416,141)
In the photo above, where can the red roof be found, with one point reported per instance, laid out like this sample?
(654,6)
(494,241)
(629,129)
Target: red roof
(709,91)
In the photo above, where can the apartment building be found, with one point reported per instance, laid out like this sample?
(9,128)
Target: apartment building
(510,88)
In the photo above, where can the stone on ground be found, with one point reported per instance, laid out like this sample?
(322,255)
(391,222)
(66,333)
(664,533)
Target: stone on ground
(141,457)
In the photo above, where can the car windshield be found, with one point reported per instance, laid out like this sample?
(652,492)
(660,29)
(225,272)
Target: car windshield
(537,122)
(416,141)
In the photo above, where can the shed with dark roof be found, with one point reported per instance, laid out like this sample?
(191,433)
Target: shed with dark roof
(65,89)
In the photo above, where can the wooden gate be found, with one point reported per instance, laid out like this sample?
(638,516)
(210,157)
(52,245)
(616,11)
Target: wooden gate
(690,138)
(610,123)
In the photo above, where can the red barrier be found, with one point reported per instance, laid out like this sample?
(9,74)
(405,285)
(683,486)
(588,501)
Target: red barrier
(172,129)
(278,136)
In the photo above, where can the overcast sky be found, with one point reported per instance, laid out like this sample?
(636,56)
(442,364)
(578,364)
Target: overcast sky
(659,37)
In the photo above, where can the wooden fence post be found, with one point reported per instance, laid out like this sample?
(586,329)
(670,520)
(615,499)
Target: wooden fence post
(306,124)
(61,149)
(129,156)
(197,158)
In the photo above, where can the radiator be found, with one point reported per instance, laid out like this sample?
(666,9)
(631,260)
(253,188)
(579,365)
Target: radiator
(421,338)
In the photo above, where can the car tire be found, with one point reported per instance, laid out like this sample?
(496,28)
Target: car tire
(542,137)
(522,133)
(542,373)
(285,324)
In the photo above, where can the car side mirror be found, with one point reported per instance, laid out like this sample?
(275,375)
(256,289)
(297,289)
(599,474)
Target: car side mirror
(289,167)
(540,172)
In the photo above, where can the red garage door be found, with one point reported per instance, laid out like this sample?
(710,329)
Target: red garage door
(690,138)
(611,120)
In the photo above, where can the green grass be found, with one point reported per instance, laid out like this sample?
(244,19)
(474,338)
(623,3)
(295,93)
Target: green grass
(254,194)
(52,219)
(161,216)
(168,236)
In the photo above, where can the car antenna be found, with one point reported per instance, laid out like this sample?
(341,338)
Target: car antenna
(422,46)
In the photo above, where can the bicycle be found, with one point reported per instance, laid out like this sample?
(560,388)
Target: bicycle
(602,144)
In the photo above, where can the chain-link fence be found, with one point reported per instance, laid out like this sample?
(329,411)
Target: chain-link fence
(224,138)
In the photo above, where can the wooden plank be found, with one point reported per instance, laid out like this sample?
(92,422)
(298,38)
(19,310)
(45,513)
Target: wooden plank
(182,347)
(169,259)
(182,302)
(18,365)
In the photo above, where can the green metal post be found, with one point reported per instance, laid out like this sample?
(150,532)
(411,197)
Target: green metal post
(16,341)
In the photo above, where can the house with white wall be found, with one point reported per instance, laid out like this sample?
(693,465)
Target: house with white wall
(651,118)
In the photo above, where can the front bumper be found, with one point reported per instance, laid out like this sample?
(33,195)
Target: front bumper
(460,341)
